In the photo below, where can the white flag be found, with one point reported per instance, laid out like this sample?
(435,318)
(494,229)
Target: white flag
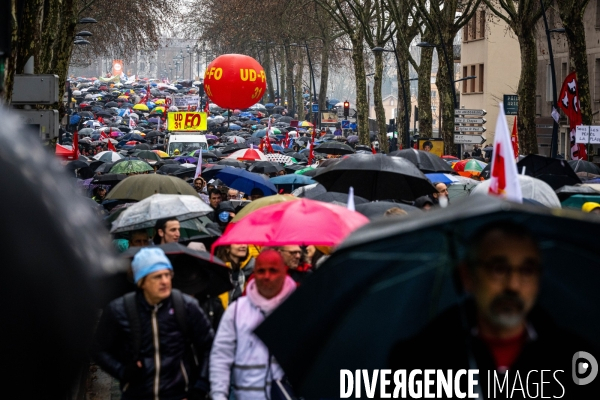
(199,166)
(350,205)
(504,181)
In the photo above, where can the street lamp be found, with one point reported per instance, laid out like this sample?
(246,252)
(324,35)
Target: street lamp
(554,142)
(87,20)
(405,100)
(450,75)
(189,51)
(466,78)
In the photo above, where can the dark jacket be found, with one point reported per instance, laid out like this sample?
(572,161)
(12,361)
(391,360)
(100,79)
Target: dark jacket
(443,344)
(114,348)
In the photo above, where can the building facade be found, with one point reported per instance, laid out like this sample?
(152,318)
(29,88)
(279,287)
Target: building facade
(560,49)
(489,52)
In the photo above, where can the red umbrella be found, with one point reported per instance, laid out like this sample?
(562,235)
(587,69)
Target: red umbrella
(134,142)
(301,222)
(248,155)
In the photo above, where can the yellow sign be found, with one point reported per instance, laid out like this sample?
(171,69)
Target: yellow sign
(435,146)
(186,121)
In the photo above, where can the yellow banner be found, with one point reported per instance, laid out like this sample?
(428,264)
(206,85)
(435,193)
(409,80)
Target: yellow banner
(186,121)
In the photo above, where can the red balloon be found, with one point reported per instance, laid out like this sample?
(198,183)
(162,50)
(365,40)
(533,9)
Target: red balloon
(235,81)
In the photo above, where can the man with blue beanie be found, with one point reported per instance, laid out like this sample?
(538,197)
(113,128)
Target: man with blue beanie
(155,340)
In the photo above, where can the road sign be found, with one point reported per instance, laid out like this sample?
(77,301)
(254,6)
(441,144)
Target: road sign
(462,111)
(468,139)
(469,128)
(511,104)
(315,108)
(345,124)
(458,120)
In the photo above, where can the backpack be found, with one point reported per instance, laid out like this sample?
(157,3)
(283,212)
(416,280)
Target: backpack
(181,316)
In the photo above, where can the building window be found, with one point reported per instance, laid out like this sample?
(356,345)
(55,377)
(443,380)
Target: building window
(480,78)
(466,33)
(433,108)
(563,72)
(472,81)
(598,15)
(433,94)
(481,31)
(434,122)
(597,79)
(538,105)
(475,28)
(464,83)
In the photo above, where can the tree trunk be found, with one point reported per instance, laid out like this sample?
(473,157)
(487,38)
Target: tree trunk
(270,81)
(362,106)
(575,31)
(526,91)
(424,71)
(378,101)
(11,60)
(447,103)
(324,76)
(282,80)
(289,76)
(299,75)
(403,119)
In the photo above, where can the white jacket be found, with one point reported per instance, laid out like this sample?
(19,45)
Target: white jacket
(237,349)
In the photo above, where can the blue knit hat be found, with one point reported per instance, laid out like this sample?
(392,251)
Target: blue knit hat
(149,260)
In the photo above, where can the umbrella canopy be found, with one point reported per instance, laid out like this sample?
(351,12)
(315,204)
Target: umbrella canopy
(584,166)
(578,200)
(376,209)
(531,188)
(231,163)
(108,156)
(147,155)
(294,222)
(230,148)
(424,160)
(131,167)
(194,271)
(248,155)
(345,308)
(334,148)
(145,213)
(265,167)
(279,158)
(567,191)
(291,182)
(161,153)
(262,202)
(138,187)
(330,197)
(555,172)
(245,181)
(376,177)
(108,179)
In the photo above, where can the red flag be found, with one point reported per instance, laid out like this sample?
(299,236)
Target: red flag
(76,145)
(269,147)
(373,149)
(261,146)
(514,138)
(111,146)
(568,100)
(206,108)
(103,135)
(234,140)
(312,145)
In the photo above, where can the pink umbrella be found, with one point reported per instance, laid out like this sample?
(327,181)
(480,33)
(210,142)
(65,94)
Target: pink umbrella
(115,134)
(301,222)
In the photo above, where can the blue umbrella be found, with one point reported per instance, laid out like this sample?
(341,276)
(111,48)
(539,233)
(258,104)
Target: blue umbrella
(269,105)
(440,177)
(260,133)
(245,181)
(277,147)
(289,183)
(234,127)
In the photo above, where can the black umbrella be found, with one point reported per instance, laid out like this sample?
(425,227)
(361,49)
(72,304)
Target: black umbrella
(330,197)
(170,169)
(334,148)
(111,104)
(153,134)
(567,191)
(104,114)
(285,118)
(194,272)
(345,307)
(77,164)
(293,168)
(584,166)
(265,167)
(210,172)
(424,160)
(108,179)
(233,147)
(376,177)
(542,167)
(311,172)
(375,209)
(232,163)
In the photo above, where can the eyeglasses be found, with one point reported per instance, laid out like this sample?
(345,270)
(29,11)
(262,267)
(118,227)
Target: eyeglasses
(501,271)
(294,253)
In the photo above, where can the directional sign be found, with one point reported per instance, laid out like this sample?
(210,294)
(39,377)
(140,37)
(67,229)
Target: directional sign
(458,120)
(462,111)
(468,139)
(345,124)
(469,128)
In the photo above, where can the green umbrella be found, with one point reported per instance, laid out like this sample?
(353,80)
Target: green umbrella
(577,200)
(304,170)
(147,155)
(131,167)
(138,187)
